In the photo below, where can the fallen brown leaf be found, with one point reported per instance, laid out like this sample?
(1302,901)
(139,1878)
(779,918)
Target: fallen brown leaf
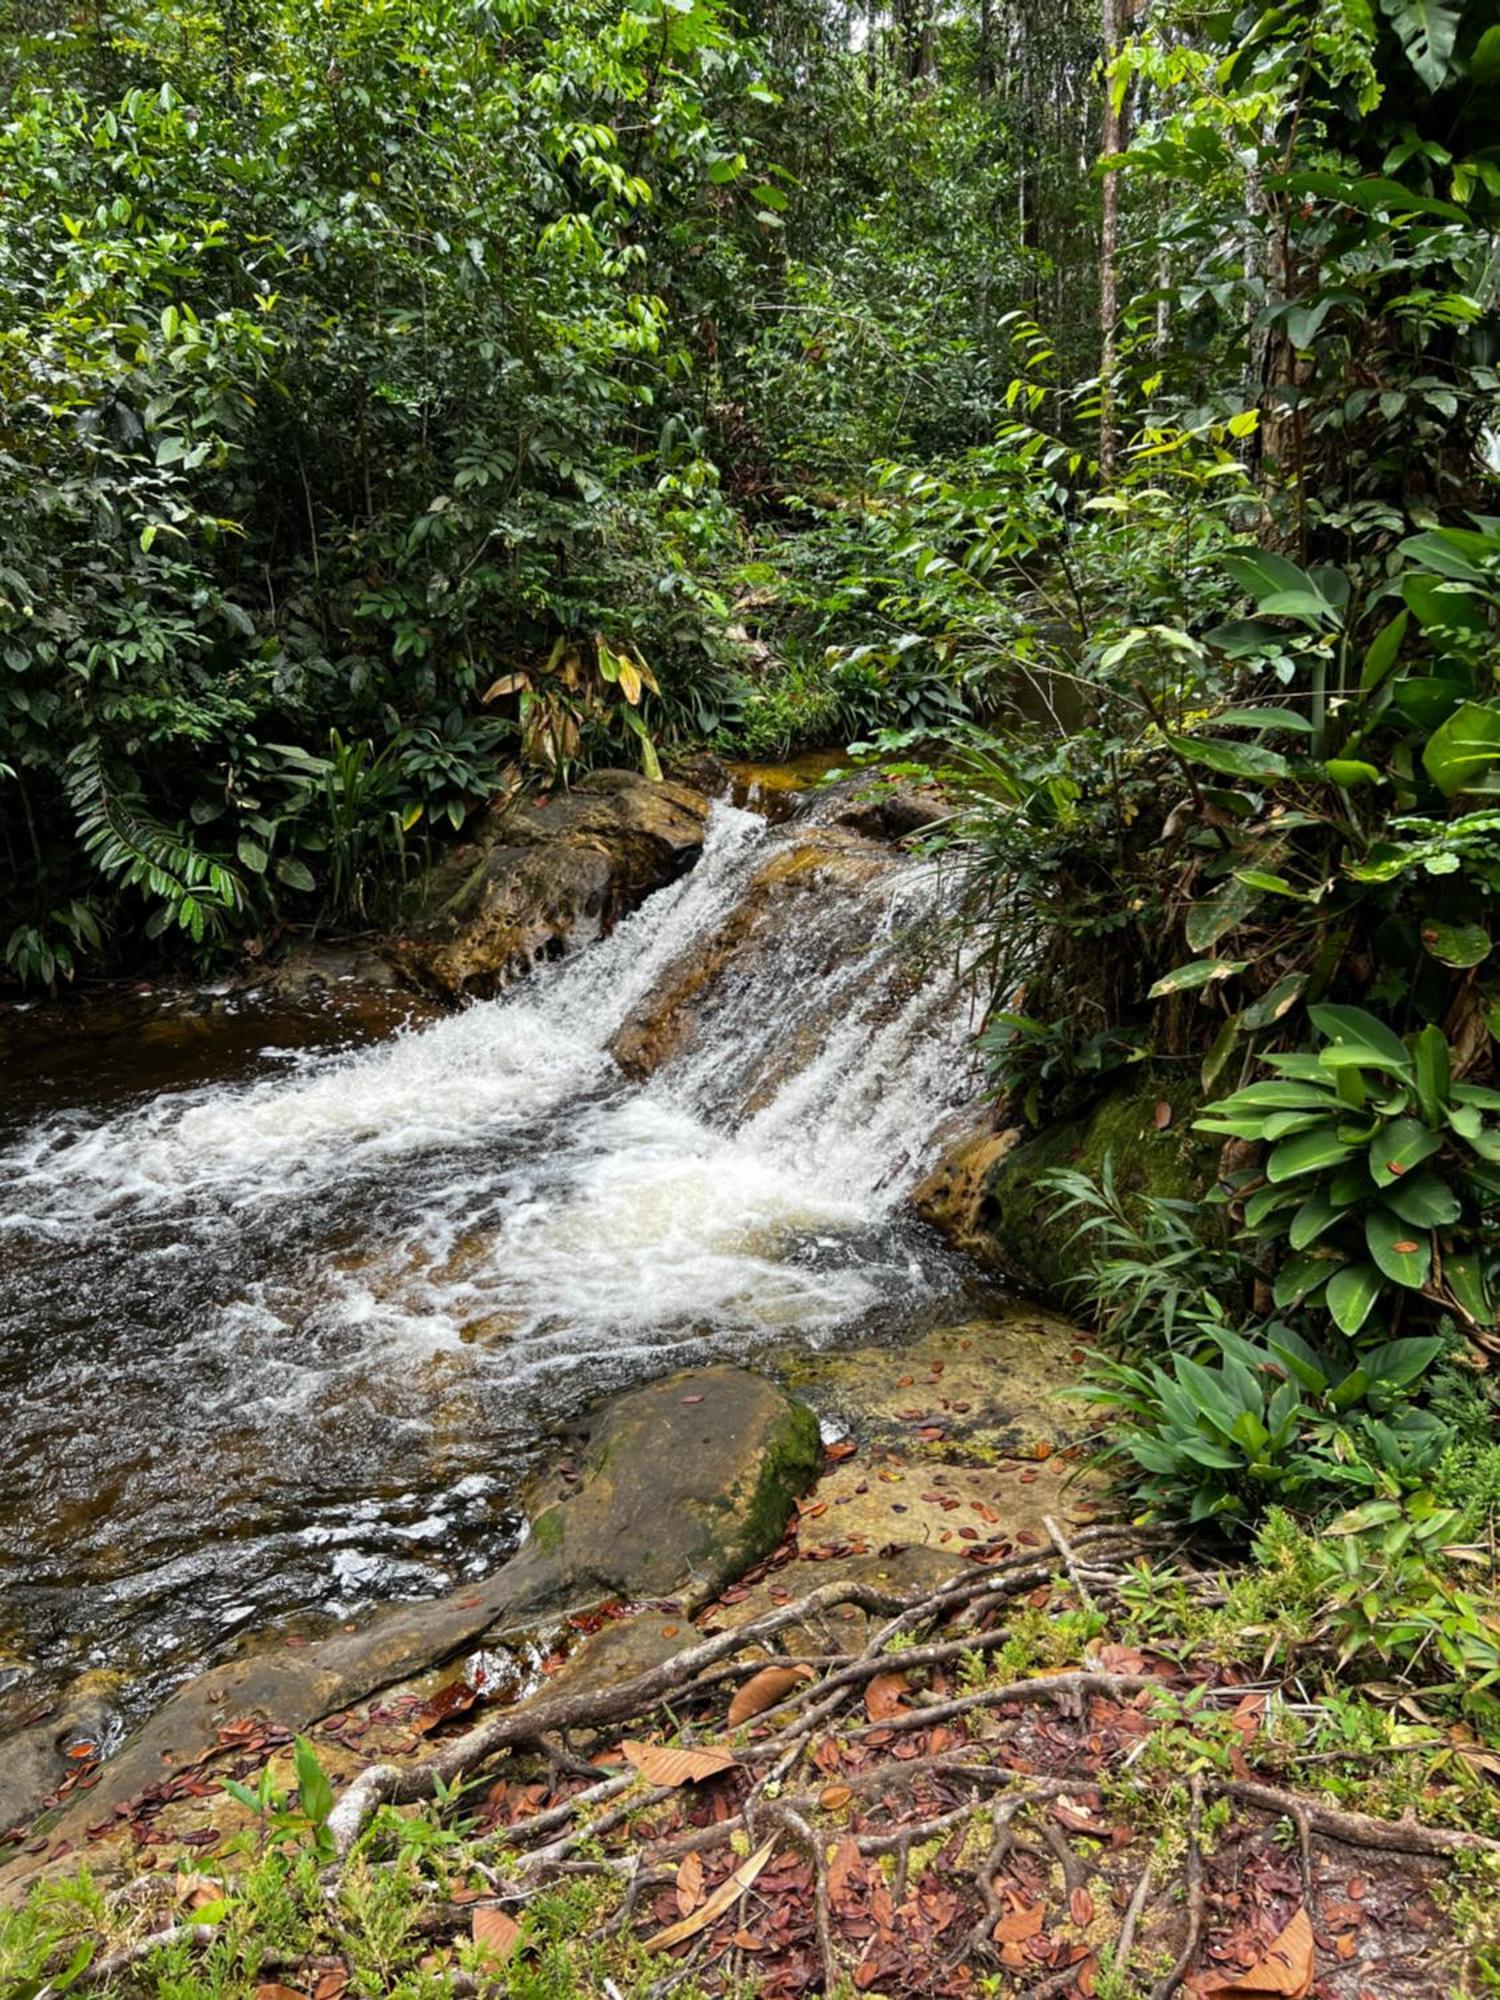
(659,1764)
(493,1931)
(1019,1924)
(1286,1969)
(843,1863)
(764,1690)
(723,1898)
(197,1891)
(885,1696)
(689,1884)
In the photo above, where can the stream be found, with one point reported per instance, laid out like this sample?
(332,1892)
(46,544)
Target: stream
(285,1311)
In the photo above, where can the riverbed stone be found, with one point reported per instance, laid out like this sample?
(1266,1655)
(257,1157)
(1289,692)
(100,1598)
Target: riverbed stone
(667,1492)
(676,1489)
(537,879)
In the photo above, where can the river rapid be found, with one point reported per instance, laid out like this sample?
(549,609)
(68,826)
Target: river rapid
(286,1312)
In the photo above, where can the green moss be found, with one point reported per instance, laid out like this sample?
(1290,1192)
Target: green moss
(793,1457)
(1029,1237)
(547,1532)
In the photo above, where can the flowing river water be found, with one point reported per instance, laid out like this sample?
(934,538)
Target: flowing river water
(277,1345)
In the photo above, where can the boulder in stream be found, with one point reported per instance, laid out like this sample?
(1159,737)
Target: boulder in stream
(540,877)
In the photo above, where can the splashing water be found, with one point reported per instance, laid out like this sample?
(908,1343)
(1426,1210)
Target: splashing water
(283,1344)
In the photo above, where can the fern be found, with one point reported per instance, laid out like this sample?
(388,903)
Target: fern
(127,844)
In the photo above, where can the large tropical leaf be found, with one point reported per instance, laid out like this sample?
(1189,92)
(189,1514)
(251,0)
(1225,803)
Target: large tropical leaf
(1351,1296)
(1403,1254)
(1358,1038)
(1428,30)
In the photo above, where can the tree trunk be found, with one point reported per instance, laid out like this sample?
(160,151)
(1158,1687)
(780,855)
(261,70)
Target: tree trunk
(1109,238)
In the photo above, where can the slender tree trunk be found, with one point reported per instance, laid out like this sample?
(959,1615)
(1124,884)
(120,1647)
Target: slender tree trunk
(1109,236)
(986,51)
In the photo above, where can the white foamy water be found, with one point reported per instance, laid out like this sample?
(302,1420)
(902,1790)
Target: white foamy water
(233,1317)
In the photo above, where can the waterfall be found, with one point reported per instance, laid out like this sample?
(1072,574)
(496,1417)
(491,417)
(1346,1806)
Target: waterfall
(290,1338)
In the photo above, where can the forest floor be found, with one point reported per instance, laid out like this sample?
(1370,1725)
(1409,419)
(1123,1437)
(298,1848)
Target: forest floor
(1020,1747)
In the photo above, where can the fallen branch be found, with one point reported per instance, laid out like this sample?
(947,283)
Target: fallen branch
(1168,1984)
(1393,1836)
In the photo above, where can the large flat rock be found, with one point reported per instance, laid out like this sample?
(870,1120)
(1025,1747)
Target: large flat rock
(667,1493)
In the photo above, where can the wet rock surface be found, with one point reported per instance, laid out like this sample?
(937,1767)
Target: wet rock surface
(985,1192)
(670,1491)
(676,1489)
(541,877)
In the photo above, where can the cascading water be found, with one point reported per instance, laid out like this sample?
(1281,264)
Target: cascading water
(282,1344)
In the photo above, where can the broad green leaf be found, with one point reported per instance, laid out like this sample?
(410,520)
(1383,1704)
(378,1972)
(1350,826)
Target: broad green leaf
(1349,772)
(1398,1363)
(1220,1052)
(1214,918)
(1316,1215)
(1355,1036)
(1351,1296)
(1438,604)
(1423,1200)
(1266,718)
(1280,1001)
(1271,885)
(1380,655)
(1428,30)
(1404,1255)
(1308,1153)
(1250,761)
(1272,1095)
(1431,1074)
(1308,605)
(1463,747)
(1201,972)
(1280,1124)
(295,874)
(1464,1277)
(1261,572)
(1484,64)
(1265,1203)
(314,1792)
(1458,945)
(1402,1145)
(1435,551)
(1427,700)
(252,854)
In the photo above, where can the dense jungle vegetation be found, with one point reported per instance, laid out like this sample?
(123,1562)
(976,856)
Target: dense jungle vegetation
(1090,406)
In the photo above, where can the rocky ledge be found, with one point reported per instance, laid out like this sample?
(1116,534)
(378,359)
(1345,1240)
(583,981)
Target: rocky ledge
(667,1493)
(540,876)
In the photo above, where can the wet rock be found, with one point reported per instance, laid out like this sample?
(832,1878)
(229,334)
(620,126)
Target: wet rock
(682,1485)
(984,1194)
(678,1487)
(35,1760)
(540,878)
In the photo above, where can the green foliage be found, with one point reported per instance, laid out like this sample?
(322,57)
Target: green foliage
(307,1820)
(377,1918)
(1377,1177)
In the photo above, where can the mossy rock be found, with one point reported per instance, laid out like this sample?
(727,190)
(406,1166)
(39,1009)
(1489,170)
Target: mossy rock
(674,1490)
(986,1196)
